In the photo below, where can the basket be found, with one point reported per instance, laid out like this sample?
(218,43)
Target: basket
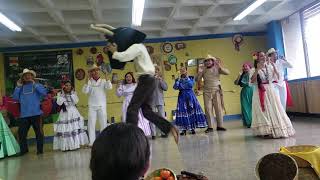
(301,148)
(277,166)
(156,173)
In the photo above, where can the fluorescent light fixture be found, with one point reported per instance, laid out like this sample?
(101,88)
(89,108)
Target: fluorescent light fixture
(10,24)
(137,12)
(249,9)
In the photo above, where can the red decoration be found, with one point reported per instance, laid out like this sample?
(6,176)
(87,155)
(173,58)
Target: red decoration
(46,106)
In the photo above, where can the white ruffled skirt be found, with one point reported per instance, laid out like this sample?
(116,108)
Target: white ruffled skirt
(69,131)
(274,121)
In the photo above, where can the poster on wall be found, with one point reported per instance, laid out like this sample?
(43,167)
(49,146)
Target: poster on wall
(51,67)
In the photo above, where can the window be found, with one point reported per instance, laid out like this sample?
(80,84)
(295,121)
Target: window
(301,37)
(292,39)
(311,30)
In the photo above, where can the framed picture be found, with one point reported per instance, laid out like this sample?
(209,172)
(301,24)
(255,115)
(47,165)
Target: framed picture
(192,62)
(200,61)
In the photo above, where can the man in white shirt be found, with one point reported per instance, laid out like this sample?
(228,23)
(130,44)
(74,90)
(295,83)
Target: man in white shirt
(97,103)
(125,45)
(280,86)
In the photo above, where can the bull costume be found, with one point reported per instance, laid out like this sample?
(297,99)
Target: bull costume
(212,92)
(125,45)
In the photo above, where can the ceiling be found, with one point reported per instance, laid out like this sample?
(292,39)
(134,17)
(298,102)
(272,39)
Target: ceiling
(67,21)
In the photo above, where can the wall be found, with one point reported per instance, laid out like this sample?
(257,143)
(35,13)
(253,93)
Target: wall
(219,47)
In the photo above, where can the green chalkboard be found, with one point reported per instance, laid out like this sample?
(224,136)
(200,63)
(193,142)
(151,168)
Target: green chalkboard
(51,67)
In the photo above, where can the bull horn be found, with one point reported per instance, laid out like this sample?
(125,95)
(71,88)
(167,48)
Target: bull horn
(105,26)
(101,29)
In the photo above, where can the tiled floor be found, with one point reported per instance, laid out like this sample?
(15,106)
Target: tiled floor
(224,155)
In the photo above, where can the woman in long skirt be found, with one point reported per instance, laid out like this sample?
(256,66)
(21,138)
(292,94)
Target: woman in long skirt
(8,144)
(189,114)
(268,116)
(69,129)
(126,89)
(243,80)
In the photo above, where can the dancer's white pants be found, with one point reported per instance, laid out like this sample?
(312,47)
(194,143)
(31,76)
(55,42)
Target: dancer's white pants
(94,112)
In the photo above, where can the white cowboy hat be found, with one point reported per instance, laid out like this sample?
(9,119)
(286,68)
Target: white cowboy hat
(209,56)
(271,51)
(26,71)
(93,67)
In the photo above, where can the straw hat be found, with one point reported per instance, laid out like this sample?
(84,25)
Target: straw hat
(93,67)
(209,56)
(271,51)
(26,71)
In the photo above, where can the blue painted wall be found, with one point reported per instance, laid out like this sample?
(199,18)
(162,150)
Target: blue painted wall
(274,36)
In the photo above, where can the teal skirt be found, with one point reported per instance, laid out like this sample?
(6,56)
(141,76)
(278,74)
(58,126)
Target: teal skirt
(9,145)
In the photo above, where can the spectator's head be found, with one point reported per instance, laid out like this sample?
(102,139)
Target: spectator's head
(120,152)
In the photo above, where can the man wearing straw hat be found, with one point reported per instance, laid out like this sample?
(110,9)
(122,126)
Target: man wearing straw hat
(97,102)
(29,94)
(212,92)
(125,44)
(280,83)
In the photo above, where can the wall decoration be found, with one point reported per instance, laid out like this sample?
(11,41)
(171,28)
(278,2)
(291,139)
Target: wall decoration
(237,40)
(13,61)
(180,46)
(93,50)
(99,59)
(200,61)
(172,59)
(79,51)
(191,62)
(167,66)
(181,65)
(150,49)
(173,77)
(62,59)
(80,74)
(90,61)
(167,47)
